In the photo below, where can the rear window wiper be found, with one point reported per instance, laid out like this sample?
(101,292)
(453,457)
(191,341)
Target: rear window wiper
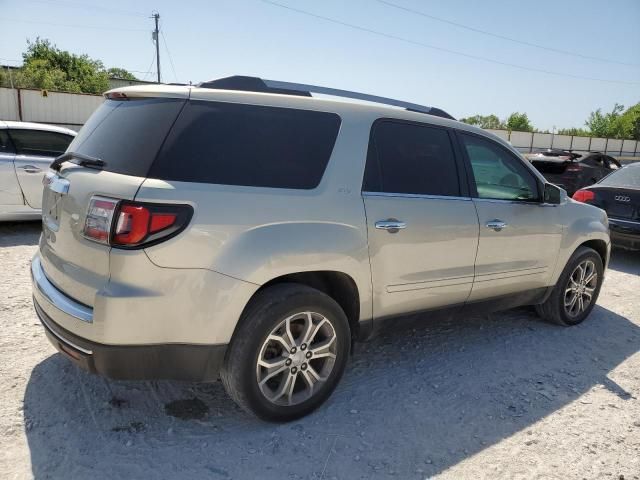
(83,160)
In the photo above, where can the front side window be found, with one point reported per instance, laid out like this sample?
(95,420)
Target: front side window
(5,143)
(40,142)
(498,174)
(410,159)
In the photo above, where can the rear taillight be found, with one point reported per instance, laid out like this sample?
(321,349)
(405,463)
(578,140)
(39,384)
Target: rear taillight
(97,225)
(126,224)
(584,196)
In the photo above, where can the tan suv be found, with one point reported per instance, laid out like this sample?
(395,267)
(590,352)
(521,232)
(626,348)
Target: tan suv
(247,230)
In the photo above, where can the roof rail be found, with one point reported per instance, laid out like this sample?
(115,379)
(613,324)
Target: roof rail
(255,84)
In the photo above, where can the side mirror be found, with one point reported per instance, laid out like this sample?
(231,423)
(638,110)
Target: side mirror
(553,194)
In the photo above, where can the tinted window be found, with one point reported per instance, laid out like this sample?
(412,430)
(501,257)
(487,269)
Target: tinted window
(127,134)
(5,142)
(625,177)
(499,174)
(409,158)
(235,144)
(40,142)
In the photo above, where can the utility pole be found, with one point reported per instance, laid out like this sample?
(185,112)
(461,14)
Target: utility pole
(156,38)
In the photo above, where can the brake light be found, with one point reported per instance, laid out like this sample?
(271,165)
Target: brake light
(574,168)
(126,224)
(584,196)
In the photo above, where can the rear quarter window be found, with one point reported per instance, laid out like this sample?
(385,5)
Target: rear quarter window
(127,134)
(248,145)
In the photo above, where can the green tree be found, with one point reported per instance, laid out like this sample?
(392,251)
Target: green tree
(629,123)
(115,72)
(605,125)
(47,67)
(485,121)
(519,122)
(578,132)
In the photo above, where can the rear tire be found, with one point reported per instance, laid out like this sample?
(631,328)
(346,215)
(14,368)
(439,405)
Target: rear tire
(576,292)
(288,352)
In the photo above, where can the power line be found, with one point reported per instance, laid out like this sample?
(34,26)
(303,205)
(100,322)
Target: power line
(111,11)
(89,27)
(443,49)
(166,47)
(504,37)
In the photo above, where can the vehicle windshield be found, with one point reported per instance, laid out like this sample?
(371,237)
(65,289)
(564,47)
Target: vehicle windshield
(625,177)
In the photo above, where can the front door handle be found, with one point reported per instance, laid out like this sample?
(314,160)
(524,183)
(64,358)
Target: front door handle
(31,169)
(391,225)
(496,225)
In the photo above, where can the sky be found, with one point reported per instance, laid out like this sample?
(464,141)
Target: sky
(370,46)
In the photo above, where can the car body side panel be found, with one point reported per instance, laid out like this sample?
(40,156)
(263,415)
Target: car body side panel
(582,223)
(10,193)
(258,234)
(29,171)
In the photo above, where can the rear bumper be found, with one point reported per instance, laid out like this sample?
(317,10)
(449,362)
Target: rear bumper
(198,363)
(625,233)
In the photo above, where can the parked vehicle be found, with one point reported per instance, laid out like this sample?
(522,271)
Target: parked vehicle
(619,195)
(26,150)
(246,229)
(572,171)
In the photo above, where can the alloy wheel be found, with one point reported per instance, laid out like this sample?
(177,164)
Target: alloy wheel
(580,288)
(296,358)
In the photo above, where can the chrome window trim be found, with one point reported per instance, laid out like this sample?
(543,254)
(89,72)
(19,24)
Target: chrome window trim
(414,195)
(514,202)
(616,220)
(56,297)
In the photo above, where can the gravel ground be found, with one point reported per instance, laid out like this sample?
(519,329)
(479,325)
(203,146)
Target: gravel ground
(504,396)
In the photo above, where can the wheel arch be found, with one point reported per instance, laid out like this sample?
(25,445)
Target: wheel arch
(340,286)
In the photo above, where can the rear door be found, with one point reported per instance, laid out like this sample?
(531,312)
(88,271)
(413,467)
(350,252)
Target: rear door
(422,225)
(126,135)
(519,235)
(35,150)
(9,189)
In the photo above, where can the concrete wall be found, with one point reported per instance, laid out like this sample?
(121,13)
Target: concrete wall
(69,110)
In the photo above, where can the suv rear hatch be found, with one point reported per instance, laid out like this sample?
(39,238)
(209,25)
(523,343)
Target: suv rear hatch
(126,134)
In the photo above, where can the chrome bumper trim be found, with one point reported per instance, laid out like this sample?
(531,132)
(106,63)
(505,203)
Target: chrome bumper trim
(55,297)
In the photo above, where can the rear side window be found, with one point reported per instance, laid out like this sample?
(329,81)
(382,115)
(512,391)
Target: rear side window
(249,145)
(40,142)
(127,134)
(625,177)
(412,159)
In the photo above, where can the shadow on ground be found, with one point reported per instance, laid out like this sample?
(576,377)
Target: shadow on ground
(13,234)
(625,261)
(411,404)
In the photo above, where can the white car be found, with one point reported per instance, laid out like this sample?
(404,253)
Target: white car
(26,151)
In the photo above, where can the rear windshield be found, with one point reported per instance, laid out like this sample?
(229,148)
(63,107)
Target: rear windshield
(625,177)
(237,144)
(127,134)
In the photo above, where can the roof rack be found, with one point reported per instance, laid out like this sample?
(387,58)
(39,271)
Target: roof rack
(255,84)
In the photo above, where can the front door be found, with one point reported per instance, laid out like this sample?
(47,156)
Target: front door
(422,225)
(519,234)
(35,150)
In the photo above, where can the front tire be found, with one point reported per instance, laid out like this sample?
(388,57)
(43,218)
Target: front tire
(288,352)
(576,292)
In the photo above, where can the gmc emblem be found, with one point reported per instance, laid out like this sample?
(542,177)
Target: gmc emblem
(622,198)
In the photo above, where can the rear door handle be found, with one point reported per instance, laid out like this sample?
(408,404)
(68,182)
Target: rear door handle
(391,225)
(496,225)
(31,169)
